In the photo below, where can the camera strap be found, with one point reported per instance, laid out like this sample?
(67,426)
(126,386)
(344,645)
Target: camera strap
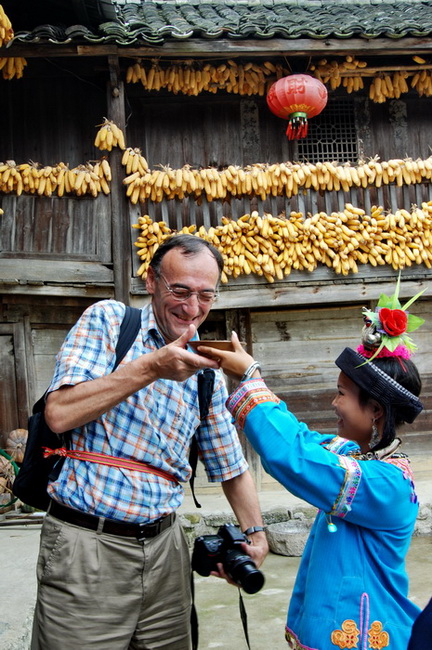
(243,616)
(194,617)
(206,379)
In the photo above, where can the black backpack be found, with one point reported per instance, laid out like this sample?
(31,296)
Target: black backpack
(30,484)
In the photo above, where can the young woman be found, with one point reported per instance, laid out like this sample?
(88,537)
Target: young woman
(351,589)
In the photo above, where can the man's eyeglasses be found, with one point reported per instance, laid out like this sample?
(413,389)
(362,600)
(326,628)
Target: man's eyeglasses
(205,297)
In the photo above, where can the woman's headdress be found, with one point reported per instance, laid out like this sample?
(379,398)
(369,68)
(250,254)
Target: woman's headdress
(385,334)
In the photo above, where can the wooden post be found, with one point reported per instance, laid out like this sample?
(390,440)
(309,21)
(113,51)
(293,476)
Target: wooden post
(239,321)
(121,239)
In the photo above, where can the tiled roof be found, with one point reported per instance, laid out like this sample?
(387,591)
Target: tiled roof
(151,22)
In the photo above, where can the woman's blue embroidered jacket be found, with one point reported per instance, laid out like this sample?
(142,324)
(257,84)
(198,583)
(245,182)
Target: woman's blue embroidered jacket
(351,589)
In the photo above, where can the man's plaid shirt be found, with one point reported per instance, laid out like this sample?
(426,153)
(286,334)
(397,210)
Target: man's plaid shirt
(154,425)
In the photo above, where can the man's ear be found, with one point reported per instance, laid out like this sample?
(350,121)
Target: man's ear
(150,280)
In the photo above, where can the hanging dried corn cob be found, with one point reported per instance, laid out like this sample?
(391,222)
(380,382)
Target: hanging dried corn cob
(272,247)
(12,67)
(6,31)
(109,136)
(263,180)
(192,77)
(33,178)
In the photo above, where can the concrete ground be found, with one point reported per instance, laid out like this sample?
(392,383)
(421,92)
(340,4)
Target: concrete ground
(217,602)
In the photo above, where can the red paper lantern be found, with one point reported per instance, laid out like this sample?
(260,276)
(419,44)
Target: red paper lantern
(297,98)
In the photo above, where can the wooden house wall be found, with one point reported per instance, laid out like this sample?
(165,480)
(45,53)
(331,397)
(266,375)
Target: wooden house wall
(67,99)
(222,130)
(49,116)
(51,113)
(38,226)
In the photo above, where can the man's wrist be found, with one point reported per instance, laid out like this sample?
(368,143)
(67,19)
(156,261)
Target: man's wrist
(253,529)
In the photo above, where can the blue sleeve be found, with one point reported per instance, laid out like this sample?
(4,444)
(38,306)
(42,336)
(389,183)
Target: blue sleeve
(369,493)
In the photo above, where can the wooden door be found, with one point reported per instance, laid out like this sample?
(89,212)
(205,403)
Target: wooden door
(13,380)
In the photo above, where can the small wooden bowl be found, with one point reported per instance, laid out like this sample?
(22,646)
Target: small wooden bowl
(217,345)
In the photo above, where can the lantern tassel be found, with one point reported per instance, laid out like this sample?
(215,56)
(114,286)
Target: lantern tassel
(297,127)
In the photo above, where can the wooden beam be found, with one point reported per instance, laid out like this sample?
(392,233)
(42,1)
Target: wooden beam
(286,295)
(121,248)
(239,321)
(323,286)
(226,48)
(282,47)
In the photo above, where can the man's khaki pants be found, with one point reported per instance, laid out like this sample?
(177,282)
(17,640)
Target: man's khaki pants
(105,592)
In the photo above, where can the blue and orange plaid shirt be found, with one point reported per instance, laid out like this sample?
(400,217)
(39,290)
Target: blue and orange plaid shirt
(154,425)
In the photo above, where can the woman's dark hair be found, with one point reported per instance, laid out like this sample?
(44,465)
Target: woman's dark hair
(405,372)
(190,245)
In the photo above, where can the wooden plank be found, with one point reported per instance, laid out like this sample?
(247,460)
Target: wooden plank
(323,287)
(95,291)
(9,418)
(21,374)
(69,272)
(296,291)
(13,378)
(250,131)
(46,344)
(30,361)
(41,312)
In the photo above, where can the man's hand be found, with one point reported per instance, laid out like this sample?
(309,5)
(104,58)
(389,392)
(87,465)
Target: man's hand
(257,551)
(258,548)
(174,362)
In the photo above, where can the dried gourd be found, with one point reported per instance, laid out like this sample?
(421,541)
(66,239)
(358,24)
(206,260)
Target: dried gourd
(8,470)
(16,444)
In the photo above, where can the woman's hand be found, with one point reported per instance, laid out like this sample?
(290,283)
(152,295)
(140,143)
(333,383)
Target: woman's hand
(233,363)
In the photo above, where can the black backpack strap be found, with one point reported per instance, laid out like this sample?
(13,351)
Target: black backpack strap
(129,329)
(206,379)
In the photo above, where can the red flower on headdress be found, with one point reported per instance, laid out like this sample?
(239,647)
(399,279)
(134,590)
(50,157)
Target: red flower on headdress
(393,321)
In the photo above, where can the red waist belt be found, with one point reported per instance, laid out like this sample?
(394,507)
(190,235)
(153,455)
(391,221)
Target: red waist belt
(113,461)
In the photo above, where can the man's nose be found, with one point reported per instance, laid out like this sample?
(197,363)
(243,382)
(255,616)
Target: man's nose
(191,303)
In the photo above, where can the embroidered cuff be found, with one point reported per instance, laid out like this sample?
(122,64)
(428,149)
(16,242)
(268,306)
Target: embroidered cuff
(246,397)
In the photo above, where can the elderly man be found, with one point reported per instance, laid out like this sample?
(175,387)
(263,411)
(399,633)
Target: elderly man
(114,566)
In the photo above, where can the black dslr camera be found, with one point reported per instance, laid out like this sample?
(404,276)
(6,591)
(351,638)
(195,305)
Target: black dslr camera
(225,548)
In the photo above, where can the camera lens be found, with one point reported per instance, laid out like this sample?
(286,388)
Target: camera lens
(243,571)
